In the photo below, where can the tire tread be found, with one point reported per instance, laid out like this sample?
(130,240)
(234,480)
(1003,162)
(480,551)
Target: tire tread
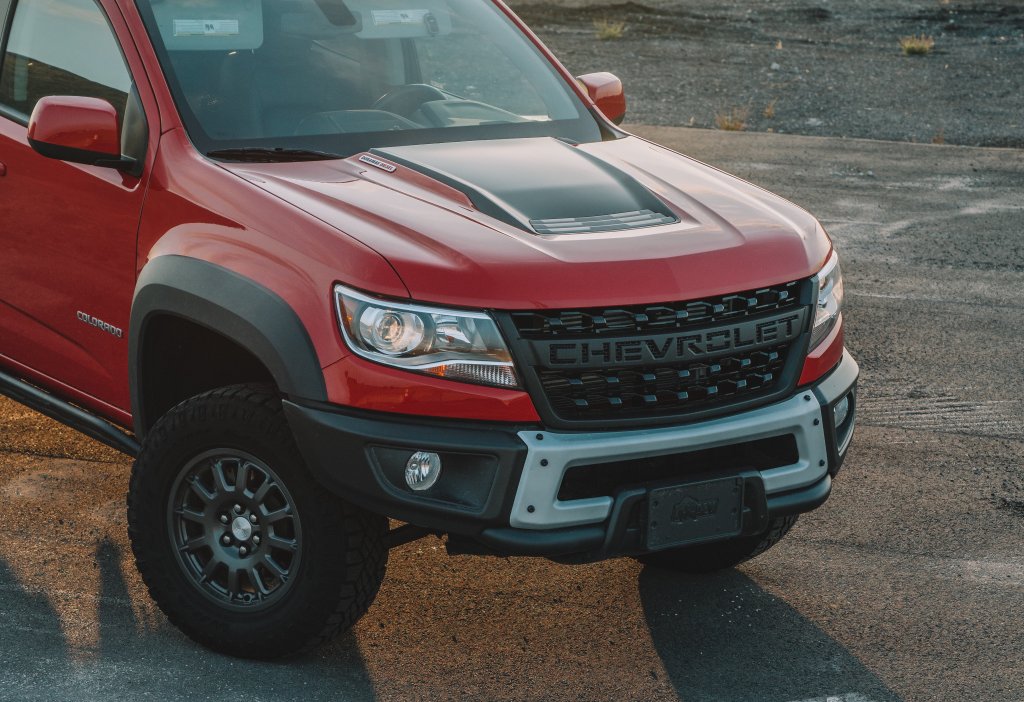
(363,561)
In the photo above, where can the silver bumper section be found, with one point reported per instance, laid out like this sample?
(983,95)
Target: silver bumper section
(551,454)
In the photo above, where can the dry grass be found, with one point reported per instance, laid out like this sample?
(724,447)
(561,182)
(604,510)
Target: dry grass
(917,45)
(734,120)
(769,110)
(609,29)
(940,137)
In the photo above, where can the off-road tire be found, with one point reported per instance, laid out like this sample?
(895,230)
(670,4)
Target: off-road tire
(720,555)
(341,556)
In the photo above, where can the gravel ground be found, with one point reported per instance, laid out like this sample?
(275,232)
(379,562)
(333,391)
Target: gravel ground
(816,67)
(906,586)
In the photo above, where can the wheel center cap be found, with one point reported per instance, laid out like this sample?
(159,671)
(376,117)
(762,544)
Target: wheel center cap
(241,529)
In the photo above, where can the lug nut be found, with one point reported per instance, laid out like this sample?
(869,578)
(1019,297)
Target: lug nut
(223,519)
(242,550)
(225,539)
(256,540)
(238,509)
(253,518)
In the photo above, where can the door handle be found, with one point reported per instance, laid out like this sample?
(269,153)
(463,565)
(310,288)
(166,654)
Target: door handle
(3,170)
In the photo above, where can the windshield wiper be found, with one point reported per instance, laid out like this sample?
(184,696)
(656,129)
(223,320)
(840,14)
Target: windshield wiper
(257,154)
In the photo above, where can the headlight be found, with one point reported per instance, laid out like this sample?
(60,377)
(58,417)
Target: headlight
(830,301)
(454,344)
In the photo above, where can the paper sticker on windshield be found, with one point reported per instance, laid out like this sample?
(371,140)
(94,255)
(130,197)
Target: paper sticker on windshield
(385,17)
(205,28)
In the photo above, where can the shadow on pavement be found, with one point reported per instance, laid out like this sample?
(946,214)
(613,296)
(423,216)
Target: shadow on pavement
(722,637)
(118,625)
(131,662)
(31,643)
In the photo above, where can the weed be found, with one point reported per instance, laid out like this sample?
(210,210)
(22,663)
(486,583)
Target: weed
(734,120)
(769,109)
(940,137)
(917,45)
(609,29)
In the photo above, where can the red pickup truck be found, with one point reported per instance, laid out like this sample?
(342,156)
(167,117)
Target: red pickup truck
(324,264)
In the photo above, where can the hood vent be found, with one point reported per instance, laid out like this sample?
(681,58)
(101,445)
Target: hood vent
(621,221)
(540,185)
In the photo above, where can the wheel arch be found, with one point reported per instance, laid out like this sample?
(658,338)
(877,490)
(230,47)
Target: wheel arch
(256,334)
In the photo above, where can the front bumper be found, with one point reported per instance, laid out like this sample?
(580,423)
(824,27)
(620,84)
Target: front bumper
(503,488)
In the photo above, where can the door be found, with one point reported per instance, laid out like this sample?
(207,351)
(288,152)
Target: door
(67,231)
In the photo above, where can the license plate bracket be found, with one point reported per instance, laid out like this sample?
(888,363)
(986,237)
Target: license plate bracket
(690,513)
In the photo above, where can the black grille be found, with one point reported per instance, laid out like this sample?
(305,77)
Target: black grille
(546,324)
(634,393)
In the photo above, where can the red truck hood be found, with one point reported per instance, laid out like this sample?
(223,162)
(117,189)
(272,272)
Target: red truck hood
(485,224)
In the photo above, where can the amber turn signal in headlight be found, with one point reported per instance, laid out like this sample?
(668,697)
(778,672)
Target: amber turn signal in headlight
(460,345)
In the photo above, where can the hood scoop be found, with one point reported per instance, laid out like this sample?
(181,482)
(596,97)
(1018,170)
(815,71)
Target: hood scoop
(540,185)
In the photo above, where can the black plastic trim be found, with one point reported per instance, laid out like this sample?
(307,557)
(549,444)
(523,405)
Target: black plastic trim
(90,158)
(338,446)
(802,500)
(556,542)
(338,442)
(612,538)
(522,353)
(231,305)
(66,413)
(832,440)
(618,520)
(610,131)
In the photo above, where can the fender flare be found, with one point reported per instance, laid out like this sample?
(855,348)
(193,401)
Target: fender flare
(231,305)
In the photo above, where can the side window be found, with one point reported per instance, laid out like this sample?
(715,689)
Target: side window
(61,47)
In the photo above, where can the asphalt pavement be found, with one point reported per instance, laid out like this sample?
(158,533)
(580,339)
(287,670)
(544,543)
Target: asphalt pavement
(907,585)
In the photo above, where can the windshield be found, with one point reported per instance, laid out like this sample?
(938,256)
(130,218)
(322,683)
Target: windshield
(343,76)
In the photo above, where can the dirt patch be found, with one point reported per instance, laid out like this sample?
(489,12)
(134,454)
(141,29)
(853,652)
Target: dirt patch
(820,68)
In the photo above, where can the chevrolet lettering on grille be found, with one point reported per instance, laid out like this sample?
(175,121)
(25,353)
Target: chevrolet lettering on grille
(690,345)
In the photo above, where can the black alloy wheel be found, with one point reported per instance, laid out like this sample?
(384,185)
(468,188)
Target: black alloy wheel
(235,529)
(237,543)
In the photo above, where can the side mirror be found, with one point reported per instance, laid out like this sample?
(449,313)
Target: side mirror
(606,92)
(78,129)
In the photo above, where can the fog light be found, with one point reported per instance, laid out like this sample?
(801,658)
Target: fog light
(842,410)
(422,470)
